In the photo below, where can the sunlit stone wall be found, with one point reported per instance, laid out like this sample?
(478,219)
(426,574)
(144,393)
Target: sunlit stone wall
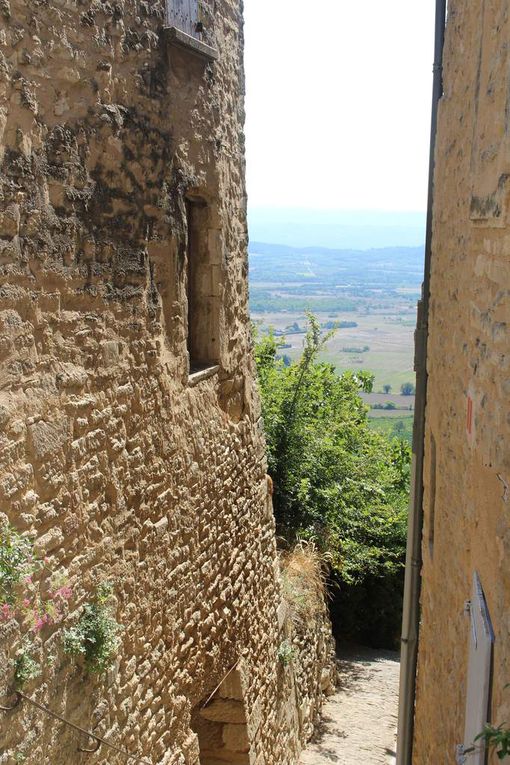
(467,461)
(122,467)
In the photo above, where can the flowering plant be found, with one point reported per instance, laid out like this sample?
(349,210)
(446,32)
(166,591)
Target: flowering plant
(20,594)
(31,593)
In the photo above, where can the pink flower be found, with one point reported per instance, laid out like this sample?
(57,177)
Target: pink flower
(28,579)
(6,611)
(64,592)
(26,603)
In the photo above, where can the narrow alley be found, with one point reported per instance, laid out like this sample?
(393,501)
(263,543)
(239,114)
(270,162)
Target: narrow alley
(360,721)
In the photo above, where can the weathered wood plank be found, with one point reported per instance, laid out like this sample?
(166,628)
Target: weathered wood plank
(184,15)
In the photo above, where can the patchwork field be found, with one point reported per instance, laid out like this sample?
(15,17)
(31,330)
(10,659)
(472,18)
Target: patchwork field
(369,296)
(388,337)
(394,427)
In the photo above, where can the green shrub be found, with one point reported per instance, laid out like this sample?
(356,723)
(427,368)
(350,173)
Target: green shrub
(336,481)
(26,668)
(96,635)
(407,389)
(16,563)
(286,653)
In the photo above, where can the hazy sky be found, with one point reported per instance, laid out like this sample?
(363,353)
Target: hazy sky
(338,102)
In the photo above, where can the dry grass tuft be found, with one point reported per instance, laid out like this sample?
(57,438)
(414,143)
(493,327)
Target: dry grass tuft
(303,582)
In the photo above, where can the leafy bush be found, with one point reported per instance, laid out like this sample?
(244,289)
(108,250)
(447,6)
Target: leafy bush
(407,389)
(96,636)
(16,563)
(26,668)
(286,653)
(336,481)
(497,739)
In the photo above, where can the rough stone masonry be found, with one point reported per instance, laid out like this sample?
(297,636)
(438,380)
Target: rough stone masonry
(467,447)
(130,434)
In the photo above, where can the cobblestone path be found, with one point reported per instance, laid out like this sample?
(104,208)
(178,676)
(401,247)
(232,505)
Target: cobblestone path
(360,721)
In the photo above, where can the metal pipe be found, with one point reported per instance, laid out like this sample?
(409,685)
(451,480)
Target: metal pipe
(412,588)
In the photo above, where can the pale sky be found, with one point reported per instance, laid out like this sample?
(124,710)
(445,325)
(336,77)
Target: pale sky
(338,103)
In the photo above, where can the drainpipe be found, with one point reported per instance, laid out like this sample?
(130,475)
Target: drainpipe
(411,608)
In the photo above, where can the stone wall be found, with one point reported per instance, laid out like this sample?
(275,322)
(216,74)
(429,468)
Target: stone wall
(123,466)
(467,461)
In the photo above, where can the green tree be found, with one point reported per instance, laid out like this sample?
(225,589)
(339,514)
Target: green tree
(407,389)
(336,481)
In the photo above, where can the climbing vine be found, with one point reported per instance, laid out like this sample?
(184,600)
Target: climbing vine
(17,565)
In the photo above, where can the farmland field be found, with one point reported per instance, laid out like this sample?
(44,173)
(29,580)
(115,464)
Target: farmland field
(394,427)
(389,338)
(369,296)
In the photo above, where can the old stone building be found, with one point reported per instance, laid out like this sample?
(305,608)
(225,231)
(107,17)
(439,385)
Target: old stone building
(464,646)
(130,440)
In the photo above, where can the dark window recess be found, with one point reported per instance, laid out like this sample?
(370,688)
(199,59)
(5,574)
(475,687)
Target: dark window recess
(202,291)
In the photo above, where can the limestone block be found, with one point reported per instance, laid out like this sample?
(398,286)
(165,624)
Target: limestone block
(231,686)
(224,710)
(235,738)
(10,249)
(50,541)
(222,756)
(9,221)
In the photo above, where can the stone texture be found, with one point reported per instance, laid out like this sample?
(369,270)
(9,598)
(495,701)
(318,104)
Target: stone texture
(120,468)
(225,710)
(467,466)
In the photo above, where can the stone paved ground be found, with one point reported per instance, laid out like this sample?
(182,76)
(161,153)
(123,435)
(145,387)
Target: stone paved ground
(359,722)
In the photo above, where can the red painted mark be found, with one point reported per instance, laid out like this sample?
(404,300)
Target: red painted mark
(469,422)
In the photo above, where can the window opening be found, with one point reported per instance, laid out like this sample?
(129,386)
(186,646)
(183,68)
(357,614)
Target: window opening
(202,290)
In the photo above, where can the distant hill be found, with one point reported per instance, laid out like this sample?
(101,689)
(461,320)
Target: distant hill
(344,229)
(388,267)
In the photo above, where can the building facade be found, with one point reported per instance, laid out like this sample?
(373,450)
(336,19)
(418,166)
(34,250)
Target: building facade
(131,447)
(464,646)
